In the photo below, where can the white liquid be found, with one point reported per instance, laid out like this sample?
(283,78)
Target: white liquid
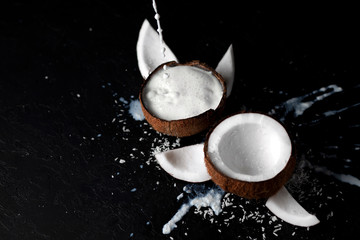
(186,92)
(341,177)
(135,110)
(297,106)
(159,29)
(211,199)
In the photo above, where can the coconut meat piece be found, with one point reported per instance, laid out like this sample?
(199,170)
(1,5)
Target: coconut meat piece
(186,163)
(226,67)
(181,91)
(249,147)
(283,205)
(148,50)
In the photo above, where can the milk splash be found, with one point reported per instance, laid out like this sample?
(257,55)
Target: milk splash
(135,110)
(297,106)
(346,178)
(202,197)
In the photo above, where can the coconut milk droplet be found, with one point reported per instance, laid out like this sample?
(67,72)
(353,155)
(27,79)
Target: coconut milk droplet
(166,75)
(163,50)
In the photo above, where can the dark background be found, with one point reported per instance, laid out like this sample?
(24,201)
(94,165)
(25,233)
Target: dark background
(64,66)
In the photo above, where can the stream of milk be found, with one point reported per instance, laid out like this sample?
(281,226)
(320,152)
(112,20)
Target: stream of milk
(159,29)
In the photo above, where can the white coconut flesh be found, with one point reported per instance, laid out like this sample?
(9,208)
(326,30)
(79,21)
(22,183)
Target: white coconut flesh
(181,91)
(148,50)
(283,205)
(186,163)
(226,67)
(249,147)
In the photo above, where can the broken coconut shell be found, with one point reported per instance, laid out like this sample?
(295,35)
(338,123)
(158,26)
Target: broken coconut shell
(187,126)
(248,181)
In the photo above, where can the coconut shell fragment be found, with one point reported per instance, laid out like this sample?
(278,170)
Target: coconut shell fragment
(191,125)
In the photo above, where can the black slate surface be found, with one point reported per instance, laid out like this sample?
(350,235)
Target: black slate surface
(74,164)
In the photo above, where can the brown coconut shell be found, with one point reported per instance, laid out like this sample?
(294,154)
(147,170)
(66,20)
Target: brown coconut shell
(188,126)
(249,190)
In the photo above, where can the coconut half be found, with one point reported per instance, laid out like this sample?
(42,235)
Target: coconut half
(249,154)
(283,205)
(186,163)
(182,99)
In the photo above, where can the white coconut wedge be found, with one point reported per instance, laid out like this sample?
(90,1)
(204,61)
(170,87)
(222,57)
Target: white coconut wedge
(148,50)
(249,154)
(182,99)
(226,67)
(186,163)
(283,205)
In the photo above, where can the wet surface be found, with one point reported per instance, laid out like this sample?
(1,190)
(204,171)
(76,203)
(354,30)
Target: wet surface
(75,164)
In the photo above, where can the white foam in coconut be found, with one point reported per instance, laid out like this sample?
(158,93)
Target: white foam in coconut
(249,147)
(283,205)
(185,92)
(185,163)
